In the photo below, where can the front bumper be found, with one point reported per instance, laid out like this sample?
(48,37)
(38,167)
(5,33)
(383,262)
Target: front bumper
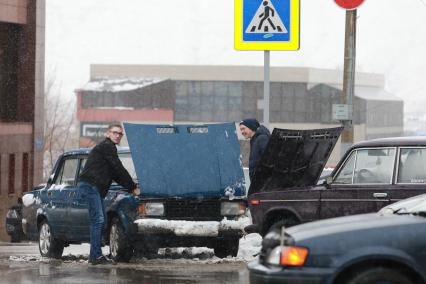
(307,275)
(192,228)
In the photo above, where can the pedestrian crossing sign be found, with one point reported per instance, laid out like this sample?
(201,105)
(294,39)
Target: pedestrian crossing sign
(267,24)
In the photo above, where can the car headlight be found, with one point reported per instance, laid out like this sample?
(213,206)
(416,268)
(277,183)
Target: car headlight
(12,214)
(232,208)
(151,209)
(287,256)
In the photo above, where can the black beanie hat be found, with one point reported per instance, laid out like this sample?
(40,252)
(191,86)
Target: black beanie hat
(251,123)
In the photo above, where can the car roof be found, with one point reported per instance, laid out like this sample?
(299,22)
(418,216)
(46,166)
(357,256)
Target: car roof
(86,151)
(392,141)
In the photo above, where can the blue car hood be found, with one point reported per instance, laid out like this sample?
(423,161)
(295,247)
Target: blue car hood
(199,161)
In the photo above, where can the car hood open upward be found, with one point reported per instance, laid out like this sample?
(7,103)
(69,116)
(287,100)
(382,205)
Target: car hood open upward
(195,161)
(294,158)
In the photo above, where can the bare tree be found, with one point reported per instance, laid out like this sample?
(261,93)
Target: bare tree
(59,126)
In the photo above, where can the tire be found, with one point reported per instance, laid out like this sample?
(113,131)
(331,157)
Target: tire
(380,275)
(15,237)
(227,246)
(47,244)
(120,248)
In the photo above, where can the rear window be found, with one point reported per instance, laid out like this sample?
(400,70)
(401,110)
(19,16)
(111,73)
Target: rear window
(412,165)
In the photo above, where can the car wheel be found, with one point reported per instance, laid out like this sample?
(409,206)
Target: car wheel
(119,246)
(47,244)
(227,246)
(15,237)
(380,275)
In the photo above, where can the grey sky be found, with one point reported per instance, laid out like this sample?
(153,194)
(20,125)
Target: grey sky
(391,38)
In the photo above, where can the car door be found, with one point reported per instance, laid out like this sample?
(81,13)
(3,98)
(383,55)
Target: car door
(410,177)
(78,210)
(361,185)
(59,194)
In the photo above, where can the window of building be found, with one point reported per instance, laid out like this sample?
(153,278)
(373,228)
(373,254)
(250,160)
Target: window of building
(11,183)
(9,38)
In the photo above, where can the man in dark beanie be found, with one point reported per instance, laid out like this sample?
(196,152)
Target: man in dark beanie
(259,137)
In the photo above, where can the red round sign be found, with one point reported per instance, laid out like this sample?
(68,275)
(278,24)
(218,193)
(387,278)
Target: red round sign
(349,4)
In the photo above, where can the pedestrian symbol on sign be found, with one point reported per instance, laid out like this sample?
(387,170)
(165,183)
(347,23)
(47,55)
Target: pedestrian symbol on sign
(266,20)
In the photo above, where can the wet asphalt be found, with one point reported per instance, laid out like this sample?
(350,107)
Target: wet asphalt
(21,263)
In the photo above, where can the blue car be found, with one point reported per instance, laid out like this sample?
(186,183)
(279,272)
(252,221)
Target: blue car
(193,194)
(385,247)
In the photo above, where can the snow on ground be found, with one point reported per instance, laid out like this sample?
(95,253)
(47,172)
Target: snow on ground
(248,251)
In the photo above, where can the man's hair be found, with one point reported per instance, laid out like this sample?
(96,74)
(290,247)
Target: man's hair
(115,124)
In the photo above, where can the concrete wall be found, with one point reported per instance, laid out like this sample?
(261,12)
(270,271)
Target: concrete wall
(22,91)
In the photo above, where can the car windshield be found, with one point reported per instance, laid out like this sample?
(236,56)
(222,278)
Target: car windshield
(415,205)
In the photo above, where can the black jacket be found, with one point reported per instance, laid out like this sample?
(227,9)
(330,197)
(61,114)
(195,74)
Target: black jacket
(257,146)
(103,166)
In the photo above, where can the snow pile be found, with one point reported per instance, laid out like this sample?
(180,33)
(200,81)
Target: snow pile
(250,246)
(25,258)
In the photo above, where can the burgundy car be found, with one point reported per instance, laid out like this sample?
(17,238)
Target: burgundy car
(370,175)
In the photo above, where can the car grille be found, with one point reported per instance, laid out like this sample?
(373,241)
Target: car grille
(193,209)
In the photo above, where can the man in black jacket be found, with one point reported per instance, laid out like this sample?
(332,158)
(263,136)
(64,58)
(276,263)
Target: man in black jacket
(259,137)
(102,167)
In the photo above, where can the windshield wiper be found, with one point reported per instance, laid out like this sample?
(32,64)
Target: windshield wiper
(419,213)
(398,211)
(416,213)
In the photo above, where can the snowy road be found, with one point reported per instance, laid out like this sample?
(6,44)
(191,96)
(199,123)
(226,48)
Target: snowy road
(21,263)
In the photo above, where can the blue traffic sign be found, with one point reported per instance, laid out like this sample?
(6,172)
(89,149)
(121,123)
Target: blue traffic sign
(267,24)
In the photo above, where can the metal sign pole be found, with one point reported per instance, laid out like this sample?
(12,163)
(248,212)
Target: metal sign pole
(266,88)
(349,76)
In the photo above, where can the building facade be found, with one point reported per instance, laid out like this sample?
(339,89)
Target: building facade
(300,98)
(22,29)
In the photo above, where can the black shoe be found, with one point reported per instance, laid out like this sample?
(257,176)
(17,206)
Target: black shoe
(102,260)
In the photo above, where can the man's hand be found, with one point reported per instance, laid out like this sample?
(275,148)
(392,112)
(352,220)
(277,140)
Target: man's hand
(136,191)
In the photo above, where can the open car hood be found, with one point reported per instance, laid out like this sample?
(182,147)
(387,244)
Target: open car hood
(199,161)
(294,158)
